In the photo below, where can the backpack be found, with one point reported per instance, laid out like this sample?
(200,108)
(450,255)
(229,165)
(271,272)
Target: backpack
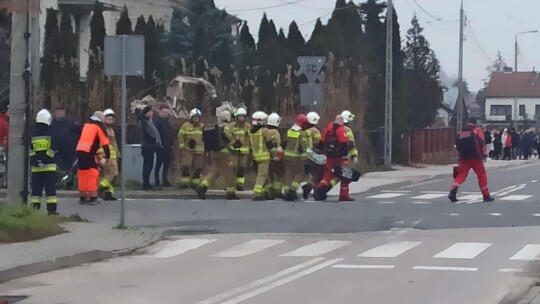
(331,143)
(468,145)
(213,139)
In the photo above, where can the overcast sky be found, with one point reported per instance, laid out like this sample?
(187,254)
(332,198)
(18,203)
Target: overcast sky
(493,22)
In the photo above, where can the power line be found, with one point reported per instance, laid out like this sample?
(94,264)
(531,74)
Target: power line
(477,41)
(308,7)
(432,16)
(267,7)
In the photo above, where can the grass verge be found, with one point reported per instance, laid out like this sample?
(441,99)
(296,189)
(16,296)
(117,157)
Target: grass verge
(21,224)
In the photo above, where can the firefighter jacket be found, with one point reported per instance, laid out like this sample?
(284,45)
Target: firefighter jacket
(239,137)
(226,136)
(41,155)
(313,137)
(93,136)
(353,151)
(115,152)
(190,137)
(276,140)
(260,142)
(295,144)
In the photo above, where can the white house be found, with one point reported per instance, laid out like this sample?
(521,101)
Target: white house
(512,96)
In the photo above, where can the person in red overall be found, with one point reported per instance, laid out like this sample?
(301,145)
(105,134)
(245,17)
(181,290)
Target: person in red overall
(335,144)
(472,150)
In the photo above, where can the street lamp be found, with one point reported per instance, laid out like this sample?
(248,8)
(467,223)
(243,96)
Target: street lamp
(516,50)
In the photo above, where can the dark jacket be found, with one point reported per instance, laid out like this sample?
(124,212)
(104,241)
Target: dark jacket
(515,139)
(165,131)
(487,137)
(64,134)
(150,137)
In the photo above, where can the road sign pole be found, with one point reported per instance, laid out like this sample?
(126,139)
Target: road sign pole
(123,132)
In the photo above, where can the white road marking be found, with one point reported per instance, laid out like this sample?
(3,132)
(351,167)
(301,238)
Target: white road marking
(495,214)
(470,197)
(435,192)
(510,270)
(462,251)
(390,250)
(387,195)
(344,266)
(534,181)
(454,214)
(247,248)
(180,247)
(504,189)
(475,193)
(512,190)
(260,282)
(443,268)
(516,197)
(430,196)
(387,203)
(395,191)
(422,203)
(281,282)
(530,252)
(316,249)
(536,214)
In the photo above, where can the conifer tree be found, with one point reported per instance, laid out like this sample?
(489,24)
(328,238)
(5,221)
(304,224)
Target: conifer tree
(295,40)
(264,32)
(97,38)
(123,26)
(51,52)
(246,39)
(201,46)
(140,26)
(180,37)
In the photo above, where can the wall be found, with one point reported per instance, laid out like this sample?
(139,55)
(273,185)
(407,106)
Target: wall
(530,104)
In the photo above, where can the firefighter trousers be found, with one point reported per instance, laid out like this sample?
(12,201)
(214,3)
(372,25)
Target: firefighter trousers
(110,172)
(192,168)
(239,164)
(221,166)
(263,170)
(275,177)
(477,165)
(44,181)
(294,173)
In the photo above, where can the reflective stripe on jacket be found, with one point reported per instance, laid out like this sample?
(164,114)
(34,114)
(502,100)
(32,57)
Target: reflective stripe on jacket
(188,132)
(92,137)
(258,146)
(295,144)
(240,133)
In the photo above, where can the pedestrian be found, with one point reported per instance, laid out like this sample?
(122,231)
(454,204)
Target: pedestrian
(110,168)
(64,134)
(497,144)
(240,147)
(294,148)
(261,145)
(489,141)
(219,158)
(4,129)
(164,154)
(93,136)
(516,142)
(150,144)
(335,145)
(314,171)
(42,164)
(506,139)
(190,141)
(472,150)
(274,186)
(527,142)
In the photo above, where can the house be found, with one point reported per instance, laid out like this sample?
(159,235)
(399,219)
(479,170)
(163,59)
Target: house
(81,11)
(512,96)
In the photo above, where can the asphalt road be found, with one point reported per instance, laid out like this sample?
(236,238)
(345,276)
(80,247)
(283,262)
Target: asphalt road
(405,244)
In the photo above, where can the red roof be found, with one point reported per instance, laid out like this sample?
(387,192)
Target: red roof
(513,84)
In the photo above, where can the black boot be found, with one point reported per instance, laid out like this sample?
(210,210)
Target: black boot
(201,192)
(109,197)
(232,197)
(239,187)
(453,196)
(488,198)
(290,196)
(94,200)
(306,189)
(36,206)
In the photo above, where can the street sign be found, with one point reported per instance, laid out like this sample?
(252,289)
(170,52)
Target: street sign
(134,55)
(311,66)
(119,62)
(311,94)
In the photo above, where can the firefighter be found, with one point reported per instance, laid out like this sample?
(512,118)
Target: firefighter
(335,144)
(190,140)
(221,165)
(261,145)
(93,136)
(42,163)
(274,186)
(314,171)
(349,117)
(472,150)
(110,168)
(294,147)
(240,147)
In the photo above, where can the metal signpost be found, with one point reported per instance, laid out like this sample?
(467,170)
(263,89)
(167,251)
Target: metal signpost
(311,93)
(119,62)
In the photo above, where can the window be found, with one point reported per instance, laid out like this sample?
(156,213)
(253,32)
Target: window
(522,110)
(499,110)
(537,109)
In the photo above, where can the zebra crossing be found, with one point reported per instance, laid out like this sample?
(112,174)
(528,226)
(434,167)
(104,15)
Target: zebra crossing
(429,197)
(215,248)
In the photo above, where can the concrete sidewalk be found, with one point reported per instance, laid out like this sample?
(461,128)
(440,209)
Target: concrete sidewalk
(83,243)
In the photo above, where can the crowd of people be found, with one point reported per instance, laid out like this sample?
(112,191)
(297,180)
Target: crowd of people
(509,144)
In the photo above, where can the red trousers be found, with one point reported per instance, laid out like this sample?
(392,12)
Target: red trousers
(328,178)
(464,166)
(88,182)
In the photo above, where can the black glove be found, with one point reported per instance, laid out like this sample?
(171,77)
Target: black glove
(270,145)
(237,144)
(320,146)
(192,144)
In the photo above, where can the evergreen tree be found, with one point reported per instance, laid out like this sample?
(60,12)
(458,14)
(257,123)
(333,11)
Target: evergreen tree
(201,46)
(246,39)
(51,52)
(267,91)
(123,26)
(5,56)
(296,41)
(140,26)
(264,32)
(180,37)
(424,93)
(318,44)
(51,25)
(97,38)
(154,52)
(224,61)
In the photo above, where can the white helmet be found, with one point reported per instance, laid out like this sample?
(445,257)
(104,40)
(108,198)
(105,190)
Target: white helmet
(240,112)
(313,118)
(274,120)
(44,117)
(347,116)
(224,116)
(195,112)
(108,112)
(259,118)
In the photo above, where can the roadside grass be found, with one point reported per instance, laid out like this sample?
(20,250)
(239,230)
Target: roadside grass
(21,224)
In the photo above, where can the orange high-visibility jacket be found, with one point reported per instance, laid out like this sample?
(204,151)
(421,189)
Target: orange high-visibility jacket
(92,138)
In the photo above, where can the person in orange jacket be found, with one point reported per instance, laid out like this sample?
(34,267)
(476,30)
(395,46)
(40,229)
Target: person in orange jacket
(93,137)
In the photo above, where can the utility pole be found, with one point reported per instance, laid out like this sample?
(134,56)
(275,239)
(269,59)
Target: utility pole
(17,169)
(516,52)
(389,85)
(459,122)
